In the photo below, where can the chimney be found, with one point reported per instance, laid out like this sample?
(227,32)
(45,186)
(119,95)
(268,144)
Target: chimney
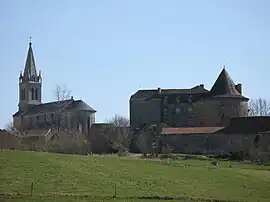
(202,85)
(239,88)
(71,97)
(159,90)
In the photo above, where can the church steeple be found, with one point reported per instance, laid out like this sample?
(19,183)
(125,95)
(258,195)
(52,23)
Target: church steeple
(30,72)
(29,83)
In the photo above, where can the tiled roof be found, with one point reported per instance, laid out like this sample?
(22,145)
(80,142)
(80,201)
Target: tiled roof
(247,125)
(54,106)
(154,93)
(225,87)
(190,130)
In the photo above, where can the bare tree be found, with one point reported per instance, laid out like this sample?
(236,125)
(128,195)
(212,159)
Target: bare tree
(62,92)
(18,132)
(9,127)
(259,107)
(149,140)
(118,121)
(119,134)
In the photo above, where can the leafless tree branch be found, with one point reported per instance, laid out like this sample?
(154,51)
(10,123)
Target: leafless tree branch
(119,134)
(148,140)
(118,121)
(62,92)
(9,127)
(259,107)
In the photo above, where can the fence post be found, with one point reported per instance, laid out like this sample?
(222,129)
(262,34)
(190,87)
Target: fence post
(31,188)
(114,196)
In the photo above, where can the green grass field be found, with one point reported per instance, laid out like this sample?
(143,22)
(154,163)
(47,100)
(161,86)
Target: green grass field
(60,178)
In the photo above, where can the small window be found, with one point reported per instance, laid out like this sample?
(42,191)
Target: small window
(36,94)
(165,112)
(21,94)
(32,93)
(52,117)
(189,109)
(222,116)
(45,118)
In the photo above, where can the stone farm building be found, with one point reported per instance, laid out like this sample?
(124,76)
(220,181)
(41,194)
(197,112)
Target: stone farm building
(194,107)
(74,115)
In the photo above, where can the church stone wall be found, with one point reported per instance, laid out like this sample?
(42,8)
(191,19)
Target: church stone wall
(75,121)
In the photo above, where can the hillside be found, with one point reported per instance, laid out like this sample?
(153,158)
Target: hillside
(72,178)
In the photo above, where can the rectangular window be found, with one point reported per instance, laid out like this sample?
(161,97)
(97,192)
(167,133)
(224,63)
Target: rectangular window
(165,112)
(37,119)
(32,94)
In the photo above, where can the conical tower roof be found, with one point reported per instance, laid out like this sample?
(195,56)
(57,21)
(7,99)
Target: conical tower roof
(30,72)
(224,86)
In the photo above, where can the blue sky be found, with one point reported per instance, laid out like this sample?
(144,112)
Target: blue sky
(105,50)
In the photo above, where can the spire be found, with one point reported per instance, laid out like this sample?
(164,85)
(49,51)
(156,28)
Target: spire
(224,85)
(30,72)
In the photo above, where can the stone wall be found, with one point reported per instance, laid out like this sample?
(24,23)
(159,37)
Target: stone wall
(205,112)
(216,143)
(8,141)
(218,112)
(105,138)
(143,112)
(99,142)
(75,121)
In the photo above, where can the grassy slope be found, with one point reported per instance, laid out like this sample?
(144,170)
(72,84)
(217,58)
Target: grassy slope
(97,176)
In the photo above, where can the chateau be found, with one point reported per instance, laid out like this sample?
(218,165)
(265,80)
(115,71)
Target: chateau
(194,107)
(74,115)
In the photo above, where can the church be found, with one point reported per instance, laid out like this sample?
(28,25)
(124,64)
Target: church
(70,115)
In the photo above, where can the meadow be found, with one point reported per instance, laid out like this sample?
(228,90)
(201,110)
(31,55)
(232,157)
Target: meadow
(59,177)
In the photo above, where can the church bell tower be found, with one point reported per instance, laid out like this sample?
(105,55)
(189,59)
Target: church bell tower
(29,83)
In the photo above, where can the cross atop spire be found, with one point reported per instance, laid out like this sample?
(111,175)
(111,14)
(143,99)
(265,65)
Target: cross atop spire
(30,40)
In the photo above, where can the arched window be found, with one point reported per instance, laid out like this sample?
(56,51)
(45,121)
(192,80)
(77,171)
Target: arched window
(36,94)
(222,116)
(32,93)
(88,122)
(23,94)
